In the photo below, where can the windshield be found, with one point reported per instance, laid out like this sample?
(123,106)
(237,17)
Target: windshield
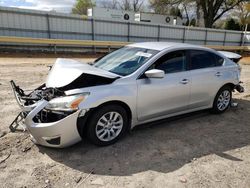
(125,60)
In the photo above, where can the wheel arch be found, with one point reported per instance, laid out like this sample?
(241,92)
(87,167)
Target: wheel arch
(231,85)
(120,103)
(228,85)
(82,122)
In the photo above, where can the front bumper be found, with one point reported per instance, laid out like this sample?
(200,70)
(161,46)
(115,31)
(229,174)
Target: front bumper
(57,134)
(239,88)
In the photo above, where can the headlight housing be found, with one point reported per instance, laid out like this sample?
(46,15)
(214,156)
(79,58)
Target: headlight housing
(68,103)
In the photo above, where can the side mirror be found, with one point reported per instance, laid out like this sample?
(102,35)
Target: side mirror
(155,73)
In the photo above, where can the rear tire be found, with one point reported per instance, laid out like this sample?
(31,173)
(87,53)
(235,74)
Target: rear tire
(222,100)
(107,125)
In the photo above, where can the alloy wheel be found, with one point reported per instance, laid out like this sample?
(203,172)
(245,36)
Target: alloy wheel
(109,126)
(223,100)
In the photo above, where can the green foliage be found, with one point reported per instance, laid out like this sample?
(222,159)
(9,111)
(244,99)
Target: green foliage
(163,6)
(232,24)
(81,7)
(175,11)
(210,10)
(192,22)
(214,10)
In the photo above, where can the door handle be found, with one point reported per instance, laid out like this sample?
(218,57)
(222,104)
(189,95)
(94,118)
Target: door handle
(184,81)
(218,74)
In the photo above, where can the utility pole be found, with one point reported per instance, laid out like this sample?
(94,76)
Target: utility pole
(244,35)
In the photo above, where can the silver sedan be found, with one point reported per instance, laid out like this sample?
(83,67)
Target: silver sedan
(136,84)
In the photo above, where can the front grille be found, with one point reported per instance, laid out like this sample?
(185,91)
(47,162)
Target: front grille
(46,116)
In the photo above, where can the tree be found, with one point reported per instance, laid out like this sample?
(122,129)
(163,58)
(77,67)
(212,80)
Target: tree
(182,8)
(231,24)
(193,22)
(137,5)
(187,7)
(243,14)
(132,5)
(81,7)
(210,10)
(163,6)
(198,13)
(125,5)
(110,4)
(215,9)
(175,11)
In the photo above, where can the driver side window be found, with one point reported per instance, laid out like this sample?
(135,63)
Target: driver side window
(171,62)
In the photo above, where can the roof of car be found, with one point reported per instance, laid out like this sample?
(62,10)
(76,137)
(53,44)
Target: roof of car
(161,45)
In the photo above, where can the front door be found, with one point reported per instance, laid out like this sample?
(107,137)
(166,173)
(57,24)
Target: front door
(162,96)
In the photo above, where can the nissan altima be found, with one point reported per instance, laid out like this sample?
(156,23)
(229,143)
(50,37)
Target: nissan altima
(136,84)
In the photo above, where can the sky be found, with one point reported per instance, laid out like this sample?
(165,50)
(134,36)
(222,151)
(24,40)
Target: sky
(47,5)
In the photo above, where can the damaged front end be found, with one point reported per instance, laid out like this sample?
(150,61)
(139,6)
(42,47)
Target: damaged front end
(47,113)
(28,101)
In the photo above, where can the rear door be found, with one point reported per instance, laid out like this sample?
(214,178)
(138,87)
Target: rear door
(207,76)
(159,97)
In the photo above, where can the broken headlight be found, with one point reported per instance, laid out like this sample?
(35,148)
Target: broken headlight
(68,103)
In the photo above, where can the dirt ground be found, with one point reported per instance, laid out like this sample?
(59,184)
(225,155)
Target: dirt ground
(195,150)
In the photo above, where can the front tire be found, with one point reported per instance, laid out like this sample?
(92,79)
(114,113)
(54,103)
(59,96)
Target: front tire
(222,100)
(107,125)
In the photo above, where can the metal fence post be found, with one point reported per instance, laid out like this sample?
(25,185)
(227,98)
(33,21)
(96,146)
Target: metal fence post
(242,39)
(159,33)
(55,48)
(205,42)
(48,26)
(93,33)
(225,36)
(184,35)
(49,33)
(128,37)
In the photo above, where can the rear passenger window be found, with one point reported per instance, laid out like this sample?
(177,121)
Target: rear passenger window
(219,60)
(172,62)
(203,59)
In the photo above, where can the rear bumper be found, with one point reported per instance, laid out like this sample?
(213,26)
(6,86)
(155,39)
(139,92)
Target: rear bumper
(57,134)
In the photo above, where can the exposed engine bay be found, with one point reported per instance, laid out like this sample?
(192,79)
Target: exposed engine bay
(66,74)
(39,93)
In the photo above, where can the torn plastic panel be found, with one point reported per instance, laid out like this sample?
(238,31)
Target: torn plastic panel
(27,99)
(48,116)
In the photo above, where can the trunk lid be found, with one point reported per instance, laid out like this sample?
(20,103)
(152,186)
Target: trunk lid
(230,55)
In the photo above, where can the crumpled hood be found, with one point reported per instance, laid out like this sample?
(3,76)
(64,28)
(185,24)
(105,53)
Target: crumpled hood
(65,71)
